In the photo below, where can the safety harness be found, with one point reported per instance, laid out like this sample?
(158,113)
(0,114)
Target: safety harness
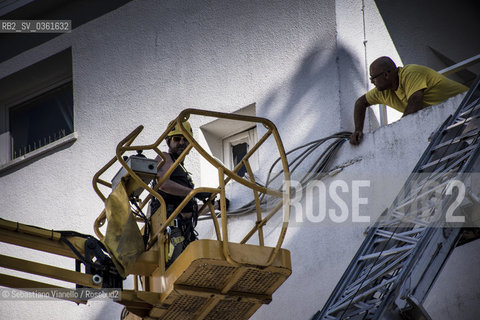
(181,231)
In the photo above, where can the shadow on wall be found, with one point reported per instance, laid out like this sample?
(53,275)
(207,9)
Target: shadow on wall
(309,102)
(326,84)
(353,83)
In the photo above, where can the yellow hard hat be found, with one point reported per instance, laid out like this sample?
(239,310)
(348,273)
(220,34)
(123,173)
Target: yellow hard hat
(176,130)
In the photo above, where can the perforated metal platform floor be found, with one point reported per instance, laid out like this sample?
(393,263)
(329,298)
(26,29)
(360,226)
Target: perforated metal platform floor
(201,284)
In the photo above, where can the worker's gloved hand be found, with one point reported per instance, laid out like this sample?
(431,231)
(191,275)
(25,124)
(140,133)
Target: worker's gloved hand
(203,196)
(218,204)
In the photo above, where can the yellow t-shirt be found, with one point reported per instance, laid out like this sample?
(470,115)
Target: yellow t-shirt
(412,78)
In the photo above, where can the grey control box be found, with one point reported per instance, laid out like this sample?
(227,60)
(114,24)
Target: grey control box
(145,168)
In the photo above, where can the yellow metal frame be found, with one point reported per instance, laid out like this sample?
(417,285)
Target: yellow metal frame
(224,175)
(46,241)
(162,290)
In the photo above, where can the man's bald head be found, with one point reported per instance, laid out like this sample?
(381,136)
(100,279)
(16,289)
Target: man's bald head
(383,64)
(384,74)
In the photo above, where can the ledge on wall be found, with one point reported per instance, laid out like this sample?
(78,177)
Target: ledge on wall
(5,168)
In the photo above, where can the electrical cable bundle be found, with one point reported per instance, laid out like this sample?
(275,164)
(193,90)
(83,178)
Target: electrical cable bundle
(318,170)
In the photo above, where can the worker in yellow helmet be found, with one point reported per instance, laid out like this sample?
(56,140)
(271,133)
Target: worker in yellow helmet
(174,190)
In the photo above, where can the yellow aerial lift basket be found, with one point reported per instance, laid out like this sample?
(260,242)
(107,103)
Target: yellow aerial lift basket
(211,279)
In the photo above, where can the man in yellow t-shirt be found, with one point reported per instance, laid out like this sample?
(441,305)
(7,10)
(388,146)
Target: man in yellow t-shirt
(406,89)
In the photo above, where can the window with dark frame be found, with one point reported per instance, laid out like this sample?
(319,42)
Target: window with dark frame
(238,152)
(37,108)
(236,147)
(41,120)
(230,141)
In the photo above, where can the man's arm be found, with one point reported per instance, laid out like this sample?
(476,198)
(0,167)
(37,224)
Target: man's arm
(415,103)
(176,189)
(170,186)
(361,106)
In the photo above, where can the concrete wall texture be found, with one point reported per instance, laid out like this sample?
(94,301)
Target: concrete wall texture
(302,62)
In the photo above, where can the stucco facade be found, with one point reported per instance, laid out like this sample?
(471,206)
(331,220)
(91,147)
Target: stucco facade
(303,64)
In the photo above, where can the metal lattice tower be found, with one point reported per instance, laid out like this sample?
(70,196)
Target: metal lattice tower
(403,253)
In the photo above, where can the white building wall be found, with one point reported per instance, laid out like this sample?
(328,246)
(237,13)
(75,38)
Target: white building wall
(302,62)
